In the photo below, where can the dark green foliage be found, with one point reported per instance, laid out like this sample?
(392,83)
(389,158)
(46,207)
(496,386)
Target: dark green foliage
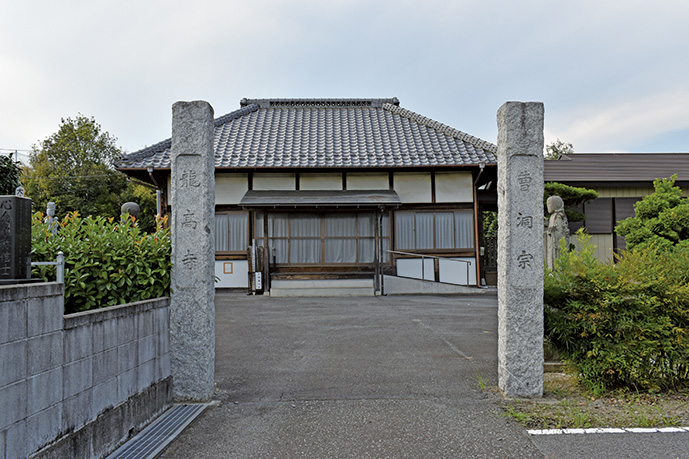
(107,261)
(623,325)
(9,175)
(74,168)
(490,223)
(662,218)
(572,197)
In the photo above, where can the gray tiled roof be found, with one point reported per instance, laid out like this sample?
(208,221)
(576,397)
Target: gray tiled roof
(321,133)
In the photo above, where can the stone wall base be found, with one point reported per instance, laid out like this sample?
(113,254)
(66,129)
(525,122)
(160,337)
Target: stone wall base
(114,426)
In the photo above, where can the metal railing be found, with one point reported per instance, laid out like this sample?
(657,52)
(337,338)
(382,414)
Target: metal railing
(423,262)
(59,266)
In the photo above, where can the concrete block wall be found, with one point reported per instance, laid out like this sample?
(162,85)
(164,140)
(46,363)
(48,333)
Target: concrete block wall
(31,337)
(60,374)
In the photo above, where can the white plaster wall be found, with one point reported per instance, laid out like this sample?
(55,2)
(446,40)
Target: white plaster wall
(413,186)
(276,181)
(454,187)
(367,181)
(320,181)
(232,273)
(230,188)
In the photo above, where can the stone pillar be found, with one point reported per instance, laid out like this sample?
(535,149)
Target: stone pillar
(192,308)
(520,249)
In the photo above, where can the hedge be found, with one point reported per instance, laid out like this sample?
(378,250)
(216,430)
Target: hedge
(624,324)
(107,261)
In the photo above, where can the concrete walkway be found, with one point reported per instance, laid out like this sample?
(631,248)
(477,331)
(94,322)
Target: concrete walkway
(395,376)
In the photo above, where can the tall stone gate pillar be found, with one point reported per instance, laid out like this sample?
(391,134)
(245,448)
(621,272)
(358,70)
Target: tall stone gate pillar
(192,308)
(520,249)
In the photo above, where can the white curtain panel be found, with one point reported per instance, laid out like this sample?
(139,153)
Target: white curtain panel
(464,230)
(304,250)
(444,230)
(222,237)
(424,230)
(404,231)
(237,229)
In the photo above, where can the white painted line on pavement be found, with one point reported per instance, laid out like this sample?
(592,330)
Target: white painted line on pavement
(601,430)
(642,430)
(673,429)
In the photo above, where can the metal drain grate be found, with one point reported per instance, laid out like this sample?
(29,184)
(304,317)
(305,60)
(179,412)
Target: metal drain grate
(150,441)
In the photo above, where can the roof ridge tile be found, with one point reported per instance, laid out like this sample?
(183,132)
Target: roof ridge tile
(167,143)
(444,128)
(320,102)
(245,110)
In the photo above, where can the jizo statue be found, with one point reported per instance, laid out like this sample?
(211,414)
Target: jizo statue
(558,229)
(50,218)
(132,209)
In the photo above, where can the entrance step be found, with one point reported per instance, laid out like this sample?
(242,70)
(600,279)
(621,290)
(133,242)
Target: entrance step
(322,287)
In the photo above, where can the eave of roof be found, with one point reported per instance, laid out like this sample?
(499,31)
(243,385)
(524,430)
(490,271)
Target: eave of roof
(321,198)
(617,167)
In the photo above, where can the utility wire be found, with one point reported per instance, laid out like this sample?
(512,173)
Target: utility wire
(12,150)
(73,176)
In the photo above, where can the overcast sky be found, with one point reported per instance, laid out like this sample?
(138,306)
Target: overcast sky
(613,75)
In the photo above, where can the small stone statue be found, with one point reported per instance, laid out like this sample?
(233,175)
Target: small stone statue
(132,209)
(50,218)
(558,229)
(19,191)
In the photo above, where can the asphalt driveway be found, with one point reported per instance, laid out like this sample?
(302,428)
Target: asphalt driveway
(395,376)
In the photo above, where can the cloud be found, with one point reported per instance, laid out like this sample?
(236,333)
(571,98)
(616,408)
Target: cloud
(597,66)
(618,127)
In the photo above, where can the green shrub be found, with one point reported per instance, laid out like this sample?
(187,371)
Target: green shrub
(623,325)
(661,219)
(107,262)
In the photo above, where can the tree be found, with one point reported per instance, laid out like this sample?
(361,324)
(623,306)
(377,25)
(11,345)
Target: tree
(555,150)
(661,220)
(9,175)
(74,168)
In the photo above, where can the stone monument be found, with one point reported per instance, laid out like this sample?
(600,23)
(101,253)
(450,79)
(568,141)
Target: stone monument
(520,249)
(558,229)
(15,238)
(192,308)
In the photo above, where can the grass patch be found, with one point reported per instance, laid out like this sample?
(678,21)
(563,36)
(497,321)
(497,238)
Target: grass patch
(566,404)
(481,381)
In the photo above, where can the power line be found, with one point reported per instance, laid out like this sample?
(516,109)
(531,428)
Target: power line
(13,150)
(18,155)
(73,176)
